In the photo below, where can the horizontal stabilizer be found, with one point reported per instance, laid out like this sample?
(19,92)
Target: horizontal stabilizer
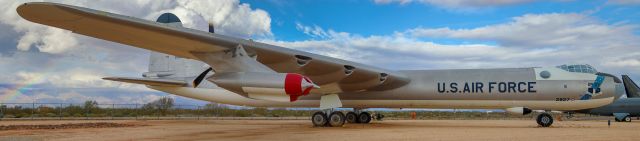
(148,81)
(631,87)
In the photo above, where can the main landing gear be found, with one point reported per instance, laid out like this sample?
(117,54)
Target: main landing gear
(337,118)
(544,119)
(334,119)
(363,117)
(625,119)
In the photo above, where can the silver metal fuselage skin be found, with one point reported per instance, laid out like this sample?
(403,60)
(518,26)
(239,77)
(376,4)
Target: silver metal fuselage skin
(453,88)
(623,105)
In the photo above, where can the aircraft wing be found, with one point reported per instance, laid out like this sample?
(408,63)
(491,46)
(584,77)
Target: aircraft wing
(148,81)
(334,75)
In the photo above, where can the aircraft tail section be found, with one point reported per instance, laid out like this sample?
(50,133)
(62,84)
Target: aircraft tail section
(630,87)
(169,66)
(172,67)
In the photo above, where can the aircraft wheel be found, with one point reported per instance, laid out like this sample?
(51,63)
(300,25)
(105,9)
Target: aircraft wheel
(364,117)
(336,119)
(319,119)
(352,117)
(627,119)
(544,120)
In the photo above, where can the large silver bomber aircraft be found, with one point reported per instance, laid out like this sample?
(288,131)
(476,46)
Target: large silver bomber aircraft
(245,72)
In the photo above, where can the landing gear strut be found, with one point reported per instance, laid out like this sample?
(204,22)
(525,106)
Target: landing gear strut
(544,119)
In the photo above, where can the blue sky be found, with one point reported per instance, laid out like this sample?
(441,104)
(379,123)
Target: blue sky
(368,18)
(45,64)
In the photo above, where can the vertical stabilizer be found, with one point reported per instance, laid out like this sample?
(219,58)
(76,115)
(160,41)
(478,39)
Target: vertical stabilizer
(631,87)
(171,67)
(169,18)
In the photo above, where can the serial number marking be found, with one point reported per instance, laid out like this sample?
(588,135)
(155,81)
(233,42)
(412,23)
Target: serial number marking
(565,99)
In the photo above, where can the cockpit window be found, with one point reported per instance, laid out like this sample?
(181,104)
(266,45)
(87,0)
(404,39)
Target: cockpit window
(585,68)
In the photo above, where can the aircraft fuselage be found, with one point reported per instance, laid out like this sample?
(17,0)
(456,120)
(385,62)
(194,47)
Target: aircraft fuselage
(456,88)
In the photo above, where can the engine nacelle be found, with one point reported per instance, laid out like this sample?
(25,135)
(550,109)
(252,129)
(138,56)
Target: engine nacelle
(519,110)
(265,85)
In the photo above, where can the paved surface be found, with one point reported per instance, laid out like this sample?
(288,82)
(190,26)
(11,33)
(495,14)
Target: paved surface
(301,130)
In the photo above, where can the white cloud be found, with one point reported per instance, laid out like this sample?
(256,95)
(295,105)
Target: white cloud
(526,41)
(75,78)
(76,97)
(542,30)
(230,16)
(49,40)
(315,31)
(51,57)
(626,63)
(387,50)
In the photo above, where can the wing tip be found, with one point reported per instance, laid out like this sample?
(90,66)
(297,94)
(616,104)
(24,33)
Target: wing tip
(147,81)
(110,78)
(45,12)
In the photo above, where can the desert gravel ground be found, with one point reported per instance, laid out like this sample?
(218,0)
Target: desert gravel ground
(301,130)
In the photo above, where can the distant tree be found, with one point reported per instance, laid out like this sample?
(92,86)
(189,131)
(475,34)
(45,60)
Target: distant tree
(212,105)
(90,104)
(162,105)
(91,107)
(259,112)
(73,111)
(2,110)
(45,111)
(166,103)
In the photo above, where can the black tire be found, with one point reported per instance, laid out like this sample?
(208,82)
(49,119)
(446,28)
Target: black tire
(544,120)
(352,117)
(336,119)
(627,119)
(617,120)
(364,117)
(319,119)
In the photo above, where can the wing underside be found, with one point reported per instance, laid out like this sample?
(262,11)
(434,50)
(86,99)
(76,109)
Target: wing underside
(334,75)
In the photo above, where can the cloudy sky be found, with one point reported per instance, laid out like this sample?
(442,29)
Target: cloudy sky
(46,64)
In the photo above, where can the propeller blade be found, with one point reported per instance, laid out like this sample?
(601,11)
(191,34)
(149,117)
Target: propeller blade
(200,77)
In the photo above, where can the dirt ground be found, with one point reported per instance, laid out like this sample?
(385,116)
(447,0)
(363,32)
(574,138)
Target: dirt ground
(301,130)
